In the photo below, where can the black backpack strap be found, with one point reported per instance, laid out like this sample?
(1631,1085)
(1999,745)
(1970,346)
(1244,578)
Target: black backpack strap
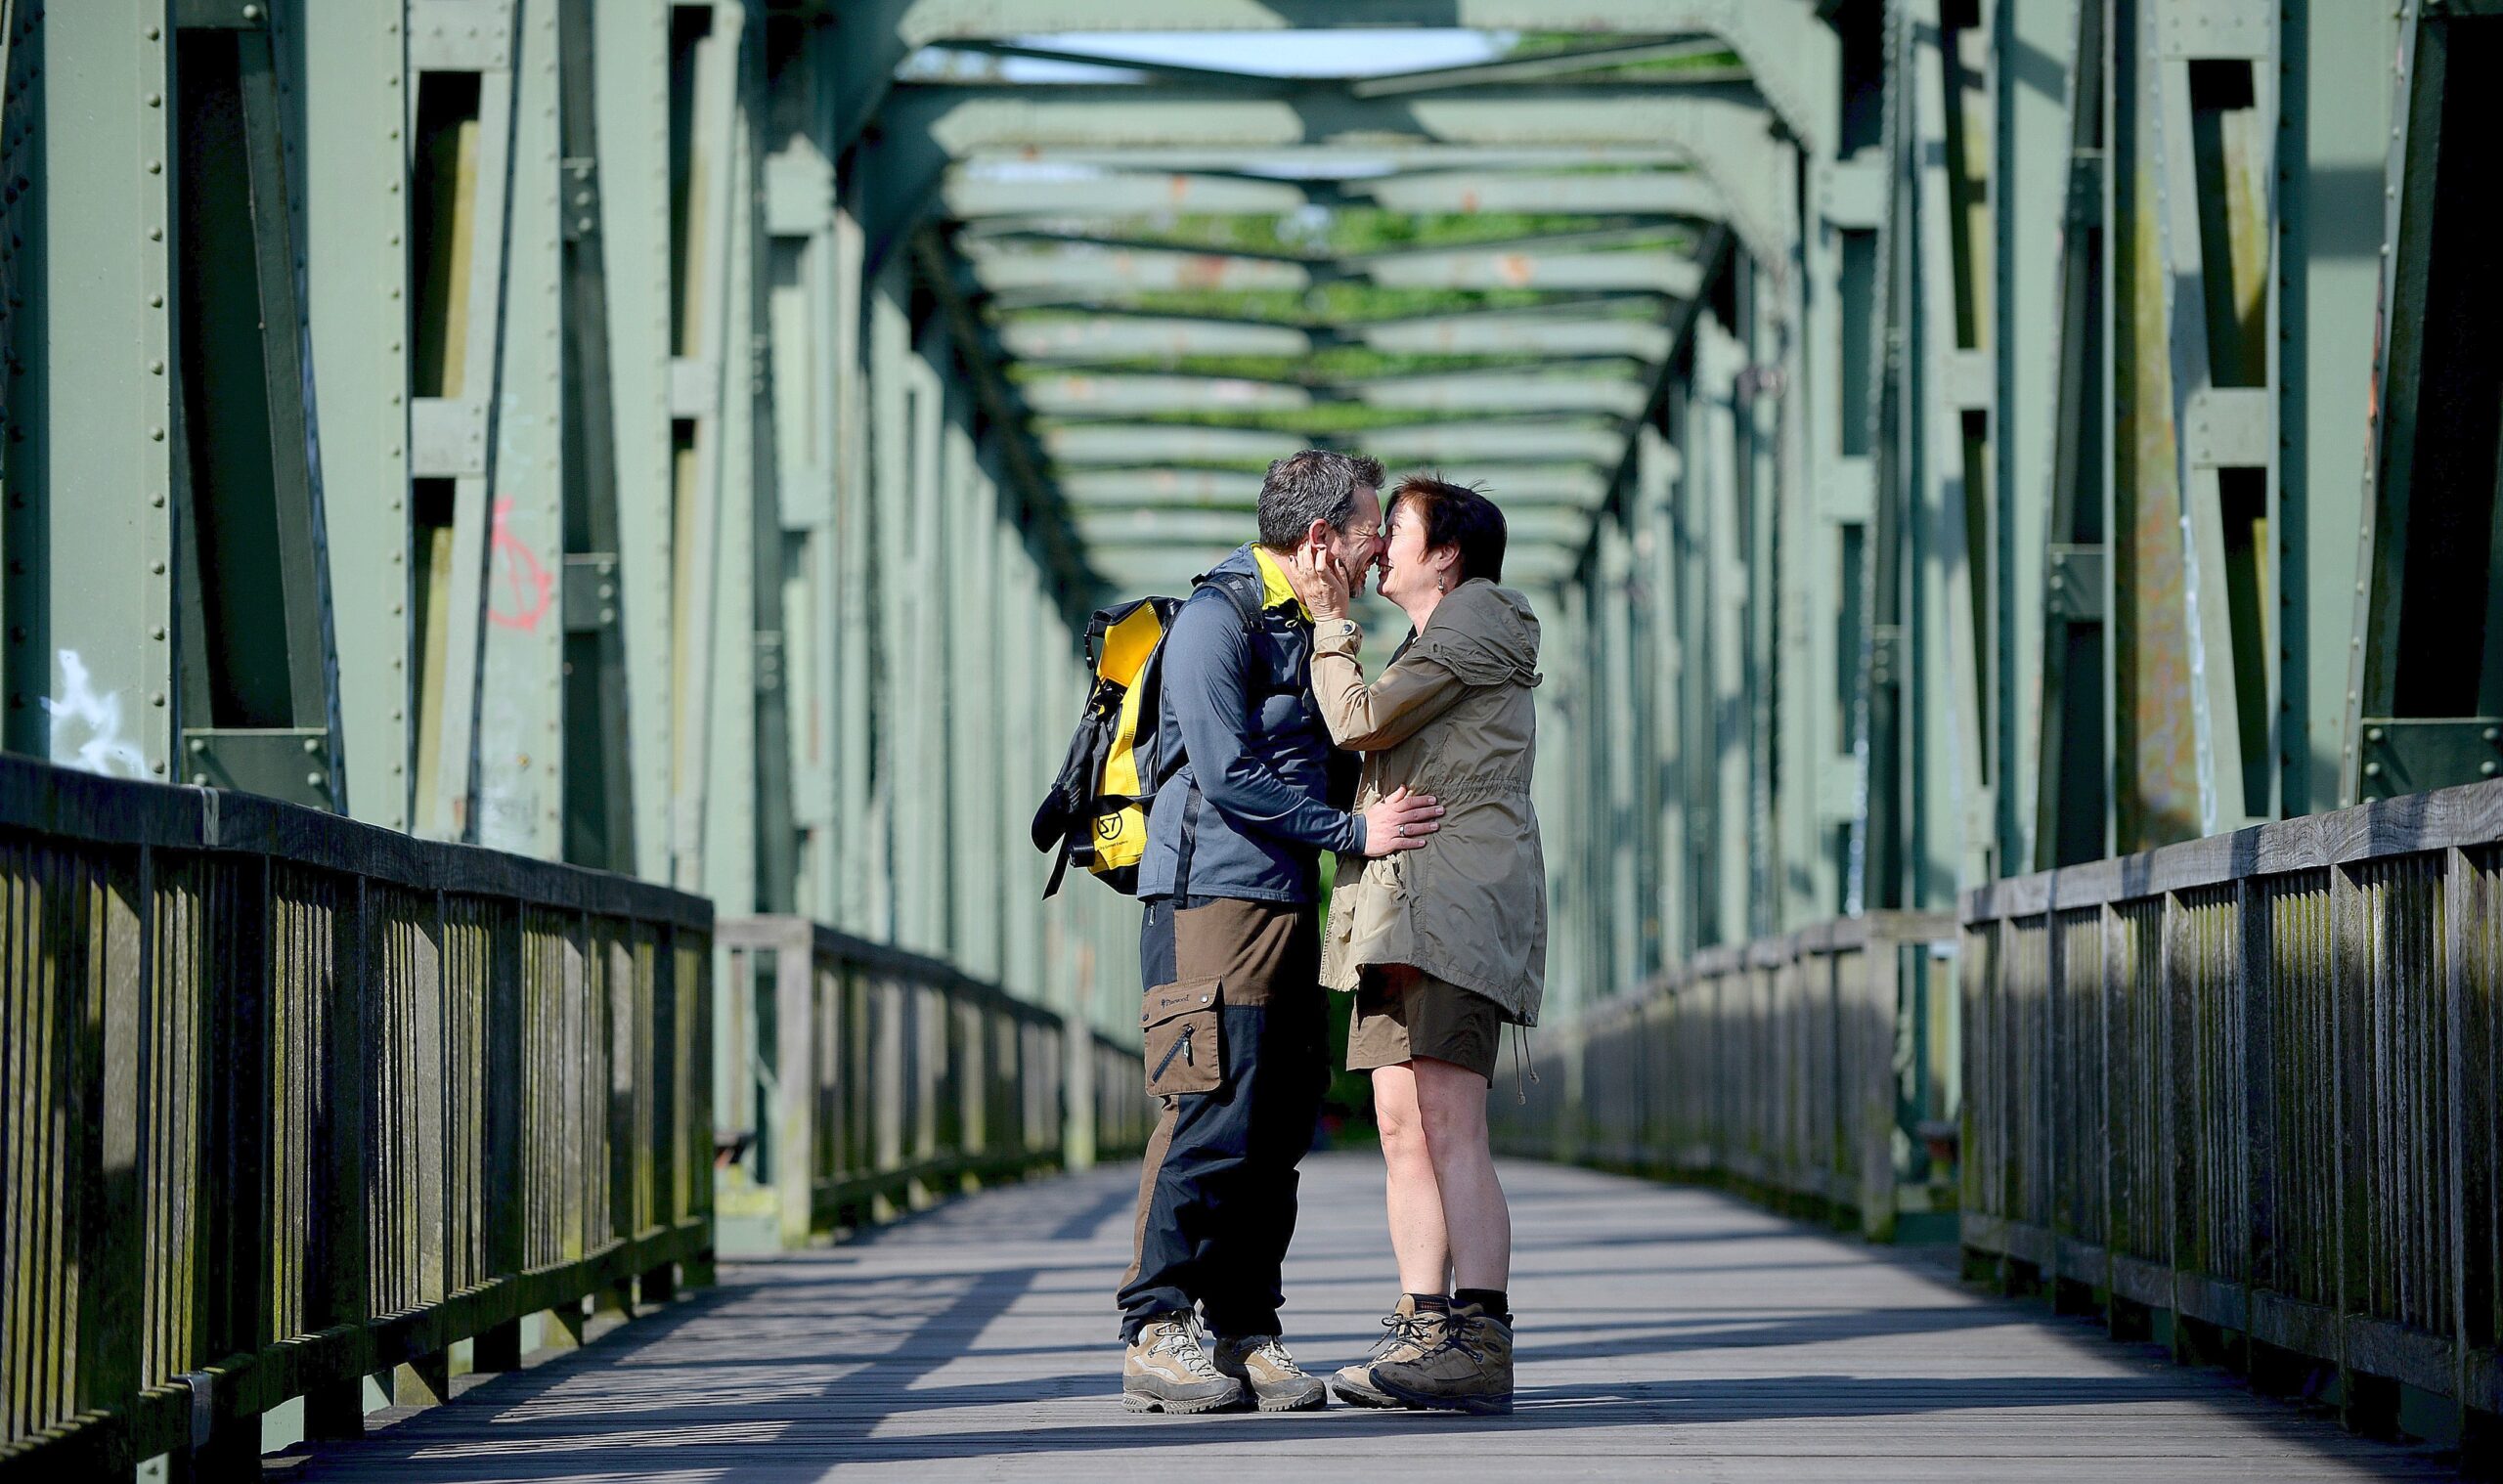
(1241,589)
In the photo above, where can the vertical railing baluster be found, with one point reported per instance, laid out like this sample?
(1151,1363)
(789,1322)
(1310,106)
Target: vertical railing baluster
(334,1408)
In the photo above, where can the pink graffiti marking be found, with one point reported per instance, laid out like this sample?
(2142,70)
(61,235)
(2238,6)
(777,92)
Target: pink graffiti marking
(519,577)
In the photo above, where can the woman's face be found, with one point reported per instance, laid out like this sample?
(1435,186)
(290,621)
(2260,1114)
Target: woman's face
(1408,569)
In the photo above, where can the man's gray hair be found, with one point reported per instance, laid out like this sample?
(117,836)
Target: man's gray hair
(1313,485)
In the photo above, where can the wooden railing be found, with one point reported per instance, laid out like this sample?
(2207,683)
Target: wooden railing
(288,1102)
(2244,1089)
(875,1079)
(1816,1069)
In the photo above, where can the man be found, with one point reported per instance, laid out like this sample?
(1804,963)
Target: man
(1231,944)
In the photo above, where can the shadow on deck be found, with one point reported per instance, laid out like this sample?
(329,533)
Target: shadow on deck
(1663,1330)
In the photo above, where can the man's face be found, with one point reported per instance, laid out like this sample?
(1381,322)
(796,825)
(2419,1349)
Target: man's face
(1357,544)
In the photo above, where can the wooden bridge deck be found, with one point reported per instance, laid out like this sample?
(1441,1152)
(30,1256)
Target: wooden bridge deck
(1665,1333)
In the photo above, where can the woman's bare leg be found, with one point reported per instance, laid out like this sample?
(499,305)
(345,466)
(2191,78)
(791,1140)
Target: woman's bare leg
(1415,1202)
(1476,1223)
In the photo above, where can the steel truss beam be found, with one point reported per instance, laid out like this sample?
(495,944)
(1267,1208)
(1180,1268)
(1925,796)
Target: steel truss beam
(1509,485)
(1155,445)
(1059,271)
(1619,394)
(1724,131)
(1786,47)
(1558,329)
(969,194)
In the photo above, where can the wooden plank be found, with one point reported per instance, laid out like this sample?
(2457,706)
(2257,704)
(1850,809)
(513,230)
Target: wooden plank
(1664,1333)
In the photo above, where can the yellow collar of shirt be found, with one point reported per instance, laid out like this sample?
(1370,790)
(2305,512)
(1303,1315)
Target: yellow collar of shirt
(1274,587)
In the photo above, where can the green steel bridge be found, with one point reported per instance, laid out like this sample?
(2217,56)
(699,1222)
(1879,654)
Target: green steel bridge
(542,551)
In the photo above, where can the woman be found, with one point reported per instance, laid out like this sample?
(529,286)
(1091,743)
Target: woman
(1445,944)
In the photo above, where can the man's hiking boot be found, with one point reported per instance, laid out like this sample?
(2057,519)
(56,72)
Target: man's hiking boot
(1275,1380)
(1168,1370)
(1407,1335)
(1470,1371)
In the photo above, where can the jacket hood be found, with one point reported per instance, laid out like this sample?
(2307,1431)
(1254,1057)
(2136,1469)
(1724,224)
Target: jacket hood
(1484,634)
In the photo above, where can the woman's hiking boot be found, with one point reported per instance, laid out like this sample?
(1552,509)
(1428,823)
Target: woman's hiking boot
(1470,1371)
(1276,1382)
(1168,1368)
(1407,1335)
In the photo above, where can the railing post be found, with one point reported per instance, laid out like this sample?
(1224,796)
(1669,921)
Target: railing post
(335,1408)
(426,1380)
(795,1083)
(237,1130)
(101,1184)
(498,1347)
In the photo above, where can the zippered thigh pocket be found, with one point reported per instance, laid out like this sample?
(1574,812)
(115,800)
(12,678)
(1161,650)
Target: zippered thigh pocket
(1181,1026)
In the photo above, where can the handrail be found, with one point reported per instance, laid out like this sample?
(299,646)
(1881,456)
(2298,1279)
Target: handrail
(1805,1068)
(2248,1083)
(912,1079)
(288,1100)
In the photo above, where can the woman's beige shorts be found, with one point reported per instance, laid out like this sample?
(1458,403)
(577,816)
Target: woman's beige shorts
(1405,1014)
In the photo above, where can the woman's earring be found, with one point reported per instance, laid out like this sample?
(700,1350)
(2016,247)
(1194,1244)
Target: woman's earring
(1439,585)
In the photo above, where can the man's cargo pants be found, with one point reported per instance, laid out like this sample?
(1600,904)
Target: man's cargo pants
(1216,1199)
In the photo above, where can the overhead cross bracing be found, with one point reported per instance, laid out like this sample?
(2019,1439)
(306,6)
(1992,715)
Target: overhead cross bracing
(1186,271)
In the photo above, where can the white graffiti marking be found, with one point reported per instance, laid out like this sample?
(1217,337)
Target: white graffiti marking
(80,707)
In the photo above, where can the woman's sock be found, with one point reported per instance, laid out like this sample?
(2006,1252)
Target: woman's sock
(1494,1303)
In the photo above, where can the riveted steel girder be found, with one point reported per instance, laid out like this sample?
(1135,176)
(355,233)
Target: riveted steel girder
(1509,485)
(1130,395)
(1602,387)
(1079,271)
(1033,272)
(1500,333)
(1724,130)
(1789,52)
(1128,444)
(1008,190)
(1105,530)
(1621,392)
(1532,440)
(970,196)
(1125,337)
(1626,193)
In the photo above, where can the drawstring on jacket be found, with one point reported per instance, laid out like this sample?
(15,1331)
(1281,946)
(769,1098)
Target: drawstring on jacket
(1520,1039)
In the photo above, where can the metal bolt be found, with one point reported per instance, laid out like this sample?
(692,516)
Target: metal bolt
(251,13)
(2372,734)
(155,368)
(313,745)
(199,780)
(158,767)
(158,568)
(155,698)
(156,435)
(156,301)
(2372,769)
(2486,768)
(313,779)
(157,632)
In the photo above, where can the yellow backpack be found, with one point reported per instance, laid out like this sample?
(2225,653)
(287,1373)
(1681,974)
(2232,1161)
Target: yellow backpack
(1095,812)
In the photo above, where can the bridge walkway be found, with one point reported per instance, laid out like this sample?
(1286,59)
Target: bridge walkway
(1667,1333)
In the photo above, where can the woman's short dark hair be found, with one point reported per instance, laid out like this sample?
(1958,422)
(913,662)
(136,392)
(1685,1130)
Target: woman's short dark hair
(1455,515)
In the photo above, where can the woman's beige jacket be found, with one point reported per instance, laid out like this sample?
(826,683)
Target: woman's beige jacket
(1452,717)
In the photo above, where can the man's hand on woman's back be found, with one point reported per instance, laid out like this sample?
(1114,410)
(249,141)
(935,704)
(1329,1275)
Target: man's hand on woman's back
(1400,821)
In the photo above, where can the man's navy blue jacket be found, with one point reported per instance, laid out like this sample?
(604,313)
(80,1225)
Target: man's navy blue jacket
(1250,811)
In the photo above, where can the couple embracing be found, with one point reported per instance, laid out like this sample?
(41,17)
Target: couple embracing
(1420,777)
